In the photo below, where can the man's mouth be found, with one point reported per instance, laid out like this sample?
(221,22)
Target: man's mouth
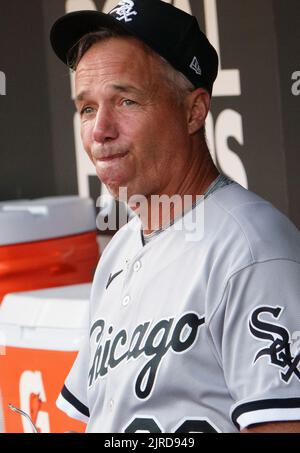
(112,157)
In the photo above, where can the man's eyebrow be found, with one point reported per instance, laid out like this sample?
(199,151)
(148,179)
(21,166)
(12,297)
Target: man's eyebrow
(120,88)
(81,96)
(126,88)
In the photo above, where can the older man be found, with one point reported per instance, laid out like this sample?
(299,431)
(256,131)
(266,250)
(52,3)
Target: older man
(190,330)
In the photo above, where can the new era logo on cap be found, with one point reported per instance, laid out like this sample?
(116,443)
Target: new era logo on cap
(195,66)
(124,10)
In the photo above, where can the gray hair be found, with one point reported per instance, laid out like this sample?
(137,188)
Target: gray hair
(175,79)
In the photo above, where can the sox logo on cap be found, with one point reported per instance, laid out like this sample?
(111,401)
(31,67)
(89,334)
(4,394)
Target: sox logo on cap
(124,10)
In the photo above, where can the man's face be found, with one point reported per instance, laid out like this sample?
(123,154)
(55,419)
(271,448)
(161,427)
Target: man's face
(132,127)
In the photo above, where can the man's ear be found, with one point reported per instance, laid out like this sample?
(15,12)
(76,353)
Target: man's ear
(198,104)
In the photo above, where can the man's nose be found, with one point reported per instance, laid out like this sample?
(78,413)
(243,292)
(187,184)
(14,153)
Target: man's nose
(105,126)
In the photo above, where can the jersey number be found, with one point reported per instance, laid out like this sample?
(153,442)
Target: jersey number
(149,425)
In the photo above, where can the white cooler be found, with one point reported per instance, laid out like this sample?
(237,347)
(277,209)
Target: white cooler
(40,335)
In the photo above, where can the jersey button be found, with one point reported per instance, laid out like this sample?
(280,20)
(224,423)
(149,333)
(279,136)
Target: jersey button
(126,301)
(111,404)
(137,265)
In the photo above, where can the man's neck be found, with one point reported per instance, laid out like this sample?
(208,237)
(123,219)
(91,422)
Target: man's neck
(162,209)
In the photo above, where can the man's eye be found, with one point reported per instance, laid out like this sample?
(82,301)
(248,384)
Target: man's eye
(128,102)
(86,111)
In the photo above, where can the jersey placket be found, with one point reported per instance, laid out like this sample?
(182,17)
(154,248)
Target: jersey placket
(125,319)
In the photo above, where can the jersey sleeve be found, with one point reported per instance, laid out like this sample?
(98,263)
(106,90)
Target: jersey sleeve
(257,333)
(73,397)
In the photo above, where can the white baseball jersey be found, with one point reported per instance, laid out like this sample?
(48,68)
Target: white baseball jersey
(197,330)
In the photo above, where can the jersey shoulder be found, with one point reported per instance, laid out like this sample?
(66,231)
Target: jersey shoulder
(267,232)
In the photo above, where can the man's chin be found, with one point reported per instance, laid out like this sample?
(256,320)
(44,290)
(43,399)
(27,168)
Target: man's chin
(121,190)
(117,191)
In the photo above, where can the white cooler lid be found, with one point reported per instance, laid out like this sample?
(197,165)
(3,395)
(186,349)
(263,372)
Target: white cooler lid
(45,218)
(63,307)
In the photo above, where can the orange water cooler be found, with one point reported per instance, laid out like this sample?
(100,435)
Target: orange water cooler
(44,243)
(47,242)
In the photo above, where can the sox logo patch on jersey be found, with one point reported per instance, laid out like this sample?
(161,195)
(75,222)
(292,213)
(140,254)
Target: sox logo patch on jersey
(278,339)
(111,349)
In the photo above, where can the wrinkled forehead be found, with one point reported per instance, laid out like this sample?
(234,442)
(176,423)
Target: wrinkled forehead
(118,57)
(126,49)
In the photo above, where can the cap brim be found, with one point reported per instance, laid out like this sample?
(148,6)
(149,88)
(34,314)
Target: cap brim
(69,29)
